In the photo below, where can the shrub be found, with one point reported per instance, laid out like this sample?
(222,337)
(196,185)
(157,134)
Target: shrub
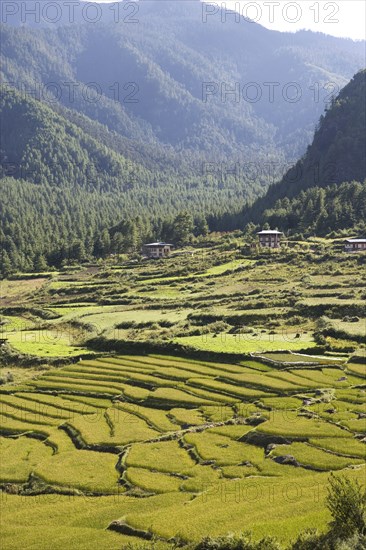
(218,327)
(357,542)
(311,540)
(346,501)
(295,320)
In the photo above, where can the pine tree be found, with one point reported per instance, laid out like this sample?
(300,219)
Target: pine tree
(6,265)
(182,228)
(40,263)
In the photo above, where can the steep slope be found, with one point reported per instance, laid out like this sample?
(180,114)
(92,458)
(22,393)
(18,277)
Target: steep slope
(41,146)
(314,195)
(60,186)
(63,148)
(120,128)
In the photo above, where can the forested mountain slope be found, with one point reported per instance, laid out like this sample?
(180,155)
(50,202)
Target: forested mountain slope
(314,195)
(61,187)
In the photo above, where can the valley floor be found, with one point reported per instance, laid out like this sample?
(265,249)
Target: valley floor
(213,392)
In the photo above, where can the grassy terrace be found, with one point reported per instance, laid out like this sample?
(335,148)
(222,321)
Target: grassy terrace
(213,299)
(223,388)
(118,427)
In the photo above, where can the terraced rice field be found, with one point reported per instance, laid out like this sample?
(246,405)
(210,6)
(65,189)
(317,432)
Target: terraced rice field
(232,343)
(211,448)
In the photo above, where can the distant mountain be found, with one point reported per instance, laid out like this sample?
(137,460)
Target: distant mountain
(166,79)
(326,189)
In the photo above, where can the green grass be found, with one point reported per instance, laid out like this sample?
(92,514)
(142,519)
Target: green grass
(49,402)
(353,395)
(171,397)
(152,482)
(212,271)
(113,427)
(30,415)
(225,473)
(282,403)
(14,425)
(187,416)
(108,320)
(256,366)
(292,426)
(356,425)
(223,450)
(226,389)
(15,323)
(44,343)
(80,519)
(154,417)
(357,368)
(208,393)
(231,343)
(32,410)
(60,441)
(131,400)
(218,412)
(328,377)
(347,447)
(74,374)
(234,431)
(86,402)
(71,311)
(351,328)
(200,479)
(223,268)
(314,301)
(264,381)
(237,472)
(79,387)
(228,505)
(21,288)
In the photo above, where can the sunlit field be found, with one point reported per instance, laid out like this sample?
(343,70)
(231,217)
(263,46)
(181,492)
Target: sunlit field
(141,404)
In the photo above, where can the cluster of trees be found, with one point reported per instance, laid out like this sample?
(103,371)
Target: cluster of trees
(319,211)
(61,186)
(129,235)
(36,241)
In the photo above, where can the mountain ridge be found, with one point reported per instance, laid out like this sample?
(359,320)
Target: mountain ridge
(169,55)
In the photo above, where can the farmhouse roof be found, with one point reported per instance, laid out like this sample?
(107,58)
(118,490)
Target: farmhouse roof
(158,244)
(355,240)
(269,232)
